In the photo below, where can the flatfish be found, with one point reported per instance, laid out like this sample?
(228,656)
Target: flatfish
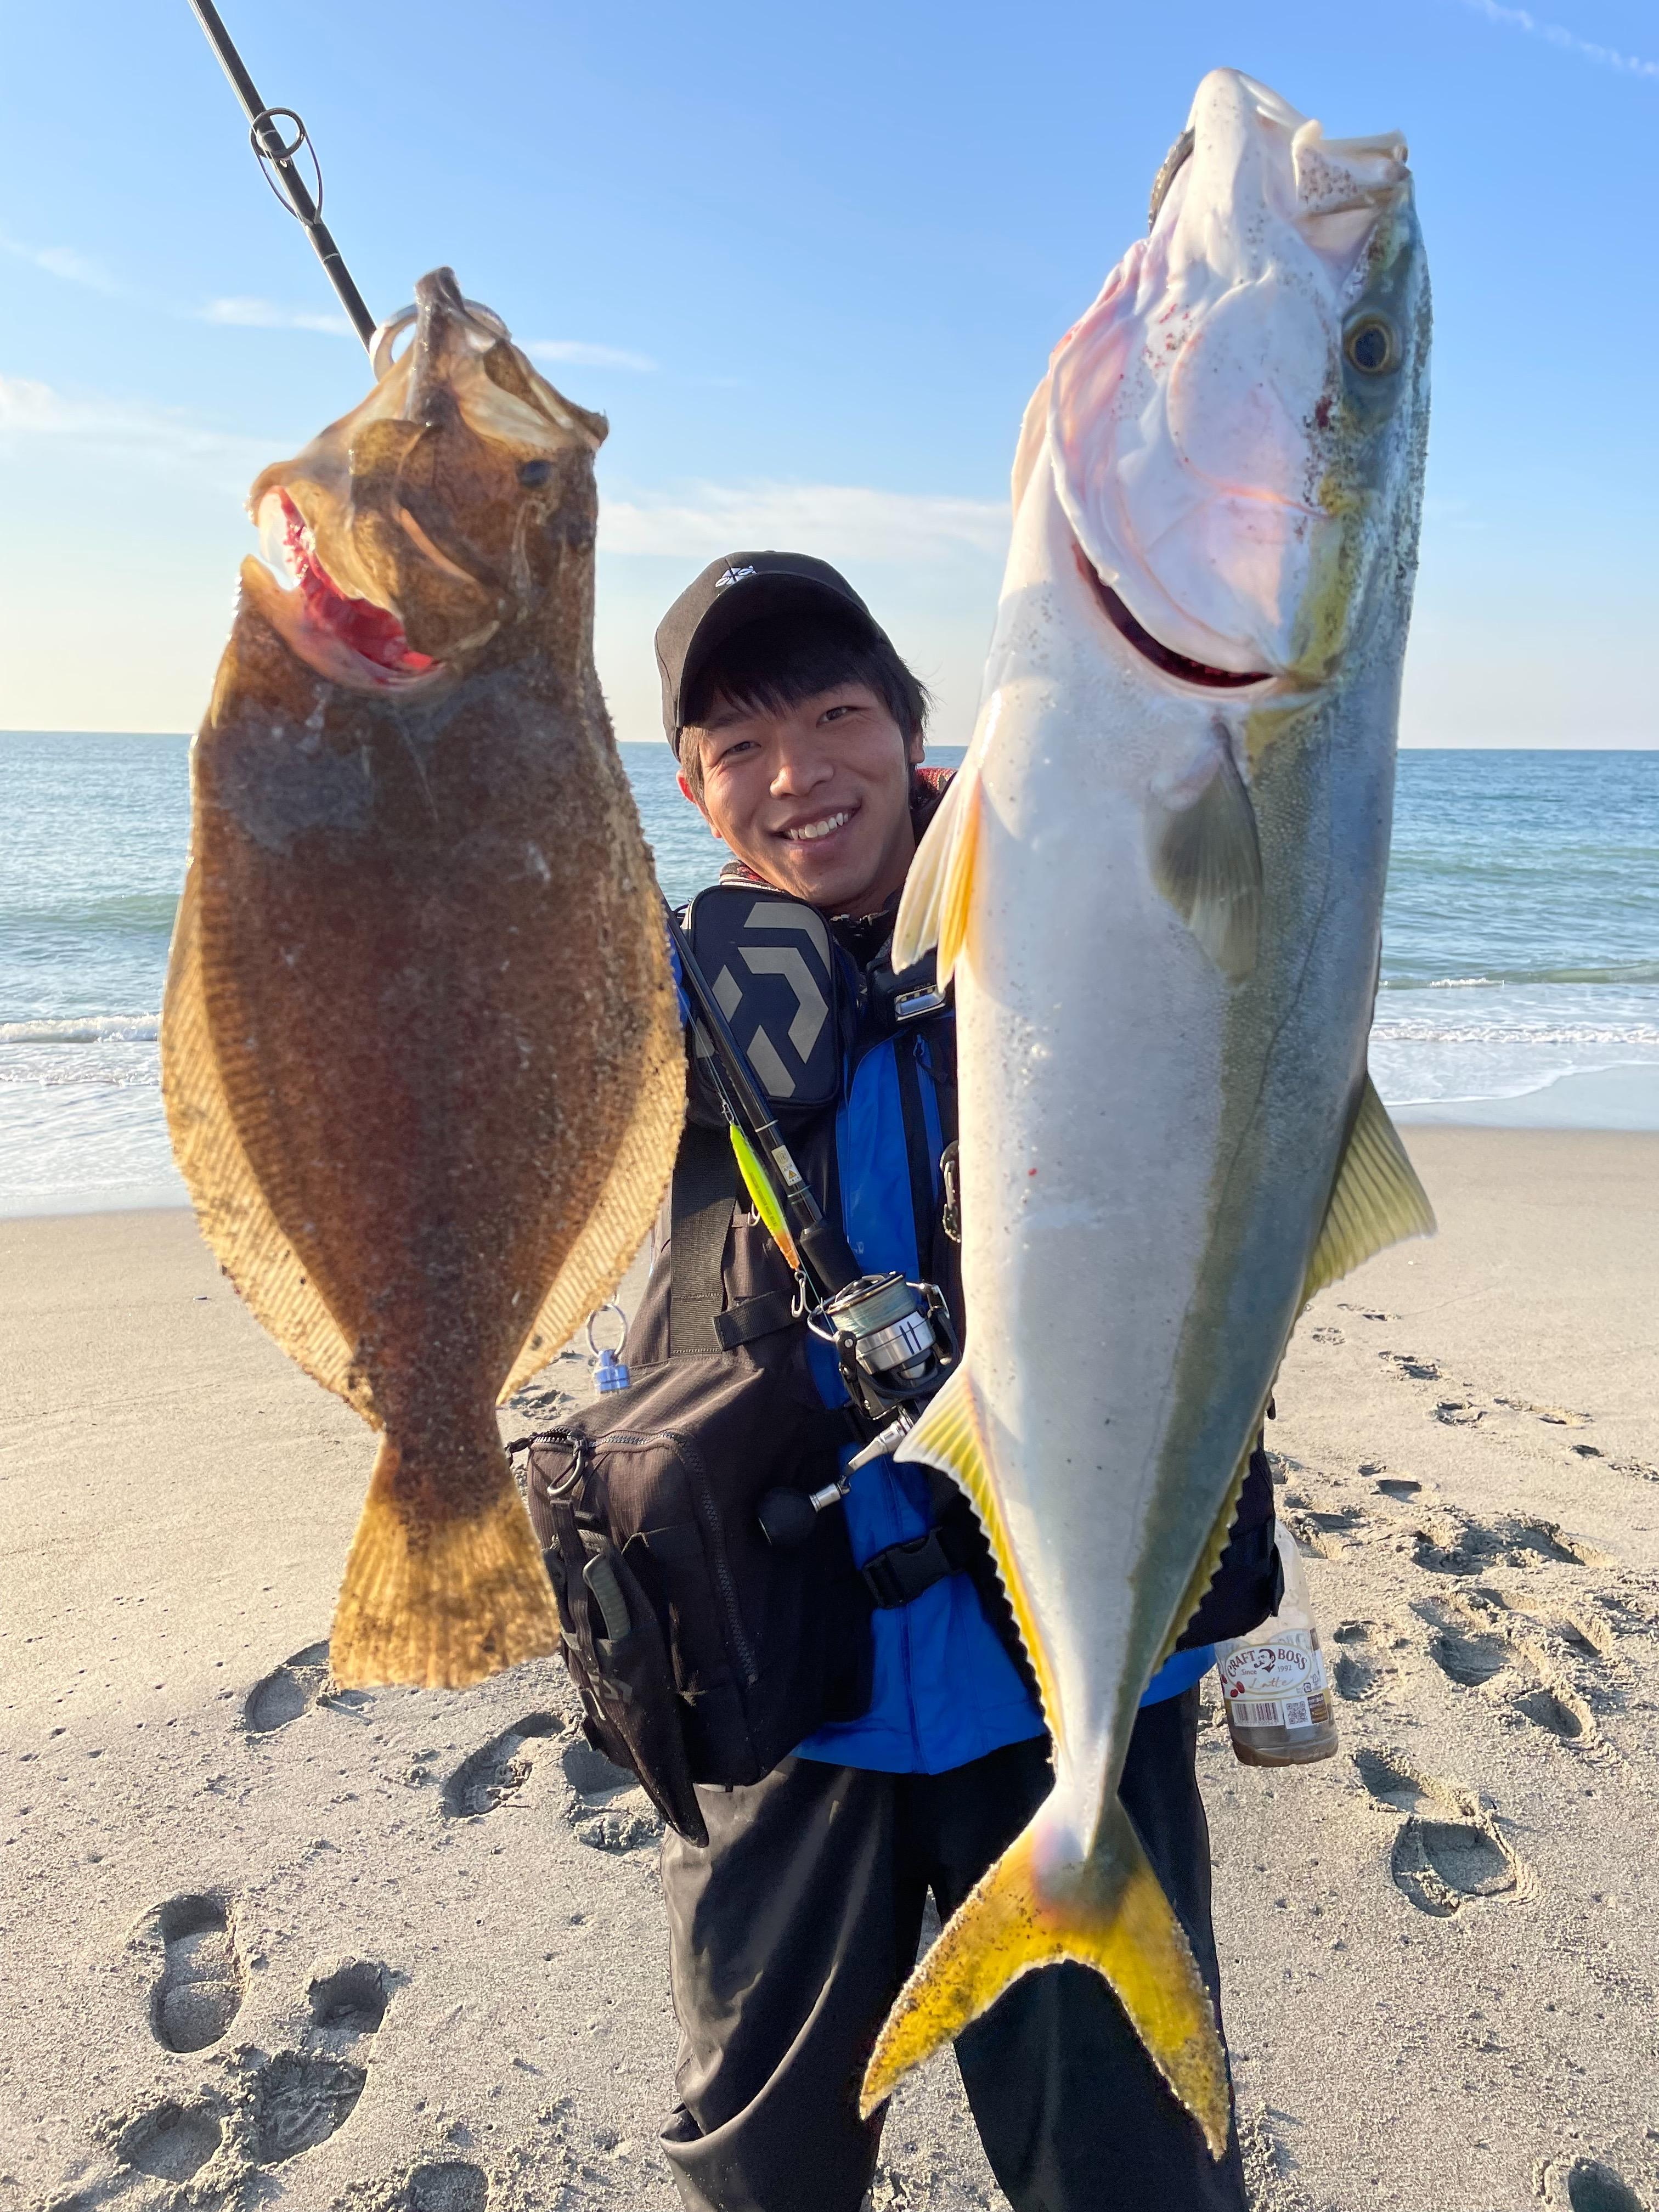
(420,1055)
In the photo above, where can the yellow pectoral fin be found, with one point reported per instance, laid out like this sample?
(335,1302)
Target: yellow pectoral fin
(1375,1201)
(933,911)
(1108,1913)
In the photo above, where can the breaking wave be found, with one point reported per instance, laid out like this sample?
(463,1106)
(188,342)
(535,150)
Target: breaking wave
(1630,974)
(86,1029)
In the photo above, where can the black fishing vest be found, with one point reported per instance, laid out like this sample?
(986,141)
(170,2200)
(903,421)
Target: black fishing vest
(705,1654)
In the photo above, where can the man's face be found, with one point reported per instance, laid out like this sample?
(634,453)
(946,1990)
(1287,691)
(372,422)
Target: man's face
(816,798)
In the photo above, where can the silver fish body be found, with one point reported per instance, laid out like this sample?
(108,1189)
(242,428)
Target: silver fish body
(1160,885)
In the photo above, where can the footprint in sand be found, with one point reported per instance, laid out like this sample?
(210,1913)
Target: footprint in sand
(1400,1487)
(199,1989)
(300,1684)
(349,1997)
(1583,2184)
(1321,1533)
(612,1811)
(1466,1645)
(287,1692)
(172,2143)
(300,2102)
(1453,1544)
(1363,1661)
(1459,1412)
(493,1775)
(445,2184)
(1410,1368)
(1448,1850)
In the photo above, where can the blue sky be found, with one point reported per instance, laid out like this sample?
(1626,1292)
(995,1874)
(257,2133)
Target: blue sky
(811,261)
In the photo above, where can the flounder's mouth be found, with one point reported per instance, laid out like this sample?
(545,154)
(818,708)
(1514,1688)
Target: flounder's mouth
(370,635)
(1151,649)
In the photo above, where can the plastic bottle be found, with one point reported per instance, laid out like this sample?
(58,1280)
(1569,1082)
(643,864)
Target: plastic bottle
(1275,1685)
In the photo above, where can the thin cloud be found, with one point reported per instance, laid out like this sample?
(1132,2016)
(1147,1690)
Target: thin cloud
(842,522)
(67,265)
(128,429)
(1556,34)
(577,353)
(249,314)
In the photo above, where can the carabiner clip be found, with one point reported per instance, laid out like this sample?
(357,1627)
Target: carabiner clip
(609,1371)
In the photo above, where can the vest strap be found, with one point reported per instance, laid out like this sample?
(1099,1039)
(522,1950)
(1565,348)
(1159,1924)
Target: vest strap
(745,1319)
(703,1200)
(899,1575)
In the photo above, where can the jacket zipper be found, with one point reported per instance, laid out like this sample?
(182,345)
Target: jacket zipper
(711,1514)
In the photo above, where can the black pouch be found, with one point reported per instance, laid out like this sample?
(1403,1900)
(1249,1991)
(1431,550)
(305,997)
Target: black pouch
(746,1649)
(613,1642)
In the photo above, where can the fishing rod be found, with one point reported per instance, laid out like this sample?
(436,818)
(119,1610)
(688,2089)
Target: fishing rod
(277,158)
(893,1339)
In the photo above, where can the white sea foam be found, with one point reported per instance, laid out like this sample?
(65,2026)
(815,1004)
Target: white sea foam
(84,1029)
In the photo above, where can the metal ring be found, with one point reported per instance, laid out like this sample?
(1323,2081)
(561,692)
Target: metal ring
(610,1306)
(282,152)
(273,162)
(388,333)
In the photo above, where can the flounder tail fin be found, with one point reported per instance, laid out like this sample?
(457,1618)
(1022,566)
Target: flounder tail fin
(1107,1912)
(440,1601)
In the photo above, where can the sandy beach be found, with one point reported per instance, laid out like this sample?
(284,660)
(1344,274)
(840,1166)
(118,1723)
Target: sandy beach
(261,1942)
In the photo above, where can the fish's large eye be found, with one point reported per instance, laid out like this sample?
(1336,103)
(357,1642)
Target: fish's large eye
(535,473)
(1372,345)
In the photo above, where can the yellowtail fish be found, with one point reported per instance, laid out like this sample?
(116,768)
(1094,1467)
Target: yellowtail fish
(420,1049)
(1158,880)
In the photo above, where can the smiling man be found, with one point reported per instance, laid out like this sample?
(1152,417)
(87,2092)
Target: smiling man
(798,728)
(919,1749)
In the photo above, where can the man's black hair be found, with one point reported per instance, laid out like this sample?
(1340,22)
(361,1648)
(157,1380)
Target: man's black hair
(772,665)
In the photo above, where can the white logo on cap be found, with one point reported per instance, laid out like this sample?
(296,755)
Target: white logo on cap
(732,576)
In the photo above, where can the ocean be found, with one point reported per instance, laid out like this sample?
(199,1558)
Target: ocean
(1520,958)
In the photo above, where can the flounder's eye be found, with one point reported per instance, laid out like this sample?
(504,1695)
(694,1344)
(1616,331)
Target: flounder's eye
(535,473)
(1373,346)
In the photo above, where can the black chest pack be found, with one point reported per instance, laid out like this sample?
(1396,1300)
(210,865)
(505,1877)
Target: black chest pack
(712,1612)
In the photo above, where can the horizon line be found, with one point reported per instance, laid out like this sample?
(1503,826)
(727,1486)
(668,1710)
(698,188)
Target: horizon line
(1405,745)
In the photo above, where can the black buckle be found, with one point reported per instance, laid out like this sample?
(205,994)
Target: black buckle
(899,1575)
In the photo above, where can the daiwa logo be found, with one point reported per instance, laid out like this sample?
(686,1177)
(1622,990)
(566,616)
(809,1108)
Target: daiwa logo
(732,576)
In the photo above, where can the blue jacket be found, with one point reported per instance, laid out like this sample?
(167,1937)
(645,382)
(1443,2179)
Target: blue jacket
(946,1689)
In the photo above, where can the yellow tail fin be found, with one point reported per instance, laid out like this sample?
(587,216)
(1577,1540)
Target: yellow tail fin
(1109,1913)
(439,1601)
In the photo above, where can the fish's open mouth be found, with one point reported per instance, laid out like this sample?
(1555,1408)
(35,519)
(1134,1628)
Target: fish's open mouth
(1149,649)
(372,633)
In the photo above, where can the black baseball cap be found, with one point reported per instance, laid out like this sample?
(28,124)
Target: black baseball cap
(732,591)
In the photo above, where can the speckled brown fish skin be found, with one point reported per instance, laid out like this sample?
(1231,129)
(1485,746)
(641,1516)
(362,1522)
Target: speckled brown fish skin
(421,1050)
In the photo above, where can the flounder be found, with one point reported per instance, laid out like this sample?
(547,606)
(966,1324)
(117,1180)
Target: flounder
(421,1054)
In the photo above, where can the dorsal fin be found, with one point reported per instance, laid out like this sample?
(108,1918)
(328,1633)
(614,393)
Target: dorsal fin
(231,1208)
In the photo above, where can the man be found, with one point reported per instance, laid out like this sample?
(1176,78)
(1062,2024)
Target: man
(799,733)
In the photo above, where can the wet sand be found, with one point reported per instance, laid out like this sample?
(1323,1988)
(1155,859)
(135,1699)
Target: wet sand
(259,1942)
